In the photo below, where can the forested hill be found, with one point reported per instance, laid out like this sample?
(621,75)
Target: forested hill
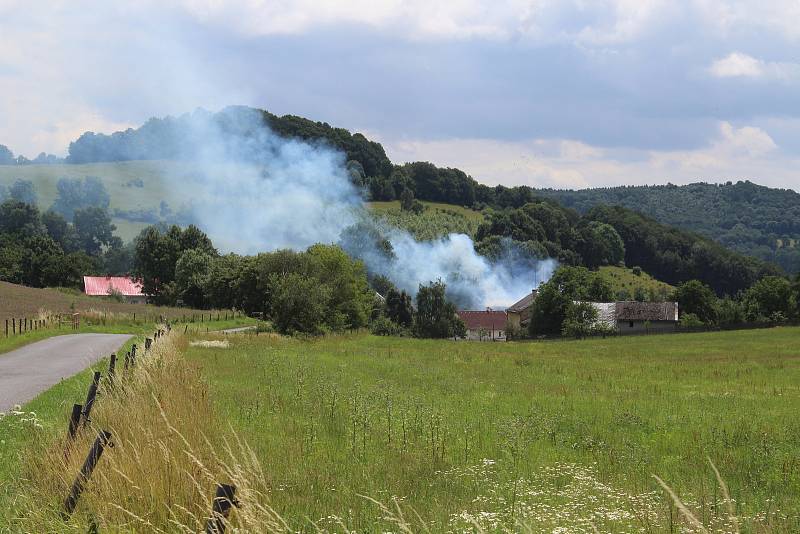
(745,217)
(524,215)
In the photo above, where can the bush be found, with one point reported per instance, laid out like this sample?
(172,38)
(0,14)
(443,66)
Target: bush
(383,326)
(690,320)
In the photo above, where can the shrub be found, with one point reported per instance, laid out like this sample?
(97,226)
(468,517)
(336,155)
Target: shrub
(690,320)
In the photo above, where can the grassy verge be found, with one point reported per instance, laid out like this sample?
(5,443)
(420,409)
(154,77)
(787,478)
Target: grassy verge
(547,434)
(44,419)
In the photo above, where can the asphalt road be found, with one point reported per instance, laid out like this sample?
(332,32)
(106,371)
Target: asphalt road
(26,372)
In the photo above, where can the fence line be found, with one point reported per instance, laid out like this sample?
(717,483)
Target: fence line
(16,326)
(224,499)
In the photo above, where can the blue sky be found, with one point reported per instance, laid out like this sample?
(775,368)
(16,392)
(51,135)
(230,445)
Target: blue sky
(545,93)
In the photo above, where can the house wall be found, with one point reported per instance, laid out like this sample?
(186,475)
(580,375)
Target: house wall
(625,327)
(489,335)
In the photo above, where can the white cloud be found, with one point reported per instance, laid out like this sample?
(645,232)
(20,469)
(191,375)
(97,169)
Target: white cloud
(596,23)
(745,152)
(739,65)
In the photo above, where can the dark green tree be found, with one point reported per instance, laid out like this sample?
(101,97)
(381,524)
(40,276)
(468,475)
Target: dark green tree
(94,230)
(298,303)
(399,308)
(23,191)
(192,271)
(436,316)
(697,298)
(568,284)
(769,299)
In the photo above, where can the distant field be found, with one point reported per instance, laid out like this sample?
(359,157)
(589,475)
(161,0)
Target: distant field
(624,278)
(471,214)
(436,221)
(160,180)
(19,301)
(550,434)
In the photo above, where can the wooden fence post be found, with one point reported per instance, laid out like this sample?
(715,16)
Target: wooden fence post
(133,355)
(221,506)
(74,420)
(6,327)
(102,441)
(90,398)
(112,364)
(14,326)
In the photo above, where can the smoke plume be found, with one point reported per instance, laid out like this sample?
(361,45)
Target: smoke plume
(254,191)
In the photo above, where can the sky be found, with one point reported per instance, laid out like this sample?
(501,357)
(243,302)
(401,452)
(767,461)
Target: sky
(563,94)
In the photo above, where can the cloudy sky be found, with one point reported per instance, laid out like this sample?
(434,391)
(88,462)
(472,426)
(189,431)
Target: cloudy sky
(570,93)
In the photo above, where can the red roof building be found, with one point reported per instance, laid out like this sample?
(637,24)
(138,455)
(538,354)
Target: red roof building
(485,325)
(103,286)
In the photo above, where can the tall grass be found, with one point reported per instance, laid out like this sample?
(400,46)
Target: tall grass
(169,452)
(359,434)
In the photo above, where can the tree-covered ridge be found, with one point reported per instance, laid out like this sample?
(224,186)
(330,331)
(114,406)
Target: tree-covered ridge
(748,218)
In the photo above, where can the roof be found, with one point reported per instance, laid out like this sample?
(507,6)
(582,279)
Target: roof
(647,311)
(488,319)
(105,285)
(524,303)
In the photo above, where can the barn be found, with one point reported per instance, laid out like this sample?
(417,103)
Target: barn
(485,325)
(634,317)
(103,286)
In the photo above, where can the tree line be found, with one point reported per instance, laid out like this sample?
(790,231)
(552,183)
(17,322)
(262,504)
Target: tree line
(561,306)
(316,291)
(7,157)
(45,250)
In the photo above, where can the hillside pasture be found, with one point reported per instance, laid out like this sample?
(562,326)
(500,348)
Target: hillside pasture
(438,220)
(624,278)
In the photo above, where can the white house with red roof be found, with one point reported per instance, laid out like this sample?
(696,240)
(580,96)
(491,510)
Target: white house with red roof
(103,286)
(485,325)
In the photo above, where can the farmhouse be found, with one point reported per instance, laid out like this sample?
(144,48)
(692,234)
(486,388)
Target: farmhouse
(635,317)
(103,286)
(519,313)
(487,325)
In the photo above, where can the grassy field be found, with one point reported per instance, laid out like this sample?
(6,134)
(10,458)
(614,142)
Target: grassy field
(394,205)
(453,437)
(623,278)
(549,434)
(436,221)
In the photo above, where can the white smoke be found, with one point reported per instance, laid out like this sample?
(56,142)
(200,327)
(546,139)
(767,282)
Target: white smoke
(255,191)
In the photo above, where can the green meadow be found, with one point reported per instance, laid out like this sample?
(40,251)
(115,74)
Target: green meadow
(459,436)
